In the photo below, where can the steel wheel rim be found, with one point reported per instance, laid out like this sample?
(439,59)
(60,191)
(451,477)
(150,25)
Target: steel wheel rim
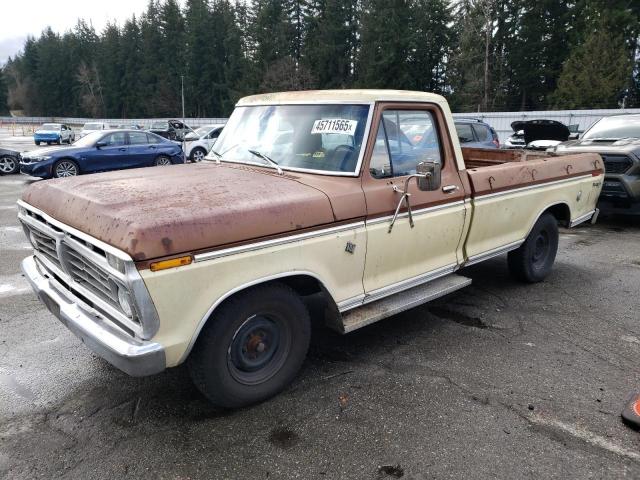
(163,161)
(541,248)
(198,155)
(66,169)
(259,348)
(7,164)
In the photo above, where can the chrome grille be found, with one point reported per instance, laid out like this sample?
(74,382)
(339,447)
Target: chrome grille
(81,265)
(90,276)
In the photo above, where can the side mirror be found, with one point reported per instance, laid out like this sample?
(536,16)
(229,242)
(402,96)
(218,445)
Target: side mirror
(101,144)
(430,176)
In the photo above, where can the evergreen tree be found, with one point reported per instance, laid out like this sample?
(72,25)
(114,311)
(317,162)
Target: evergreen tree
(386,43)
(586,80)
(4,93)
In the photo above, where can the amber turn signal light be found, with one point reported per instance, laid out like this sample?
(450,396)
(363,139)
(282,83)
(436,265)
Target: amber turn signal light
(172,263)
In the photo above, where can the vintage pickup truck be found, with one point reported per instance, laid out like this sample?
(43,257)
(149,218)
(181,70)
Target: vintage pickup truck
(363,196)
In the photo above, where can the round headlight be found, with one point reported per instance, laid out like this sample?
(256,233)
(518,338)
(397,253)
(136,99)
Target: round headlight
(124,299)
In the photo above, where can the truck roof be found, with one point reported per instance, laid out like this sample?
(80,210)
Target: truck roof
(343,96)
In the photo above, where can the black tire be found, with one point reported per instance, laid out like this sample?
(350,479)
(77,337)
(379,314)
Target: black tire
(198,154)
(230,368)
(9,165)
(533,260)
(37,143)
(162,160)
(48,143)
(65,168)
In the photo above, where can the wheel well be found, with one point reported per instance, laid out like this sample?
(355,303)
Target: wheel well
(562,212)
(303,284)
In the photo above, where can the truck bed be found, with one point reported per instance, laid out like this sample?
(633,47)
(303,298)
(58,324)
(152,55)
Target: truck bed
(492,171)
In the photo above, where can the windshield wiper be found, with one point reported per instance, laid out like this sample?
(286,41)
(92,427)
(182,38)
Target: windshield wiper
(218,156)
(267,159)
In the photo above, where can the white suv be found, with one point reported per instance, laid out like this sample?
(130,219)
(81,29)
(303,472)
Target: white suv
(199,142)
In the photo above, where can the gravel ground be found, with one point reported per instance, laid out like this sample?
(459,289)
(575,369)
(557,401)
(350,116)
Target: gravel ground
(499,380)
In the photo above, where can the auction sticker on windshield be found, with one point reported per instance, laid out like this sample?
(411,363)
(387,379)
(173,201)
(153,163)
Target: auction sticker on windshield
(335,125)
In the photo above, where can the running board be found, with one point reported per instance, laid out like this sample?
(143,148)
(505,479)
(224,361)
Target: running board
(399,302)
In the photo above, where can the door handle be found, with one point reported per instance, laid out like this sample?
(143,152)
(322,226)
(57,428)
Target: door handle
(449,188)
(122,149)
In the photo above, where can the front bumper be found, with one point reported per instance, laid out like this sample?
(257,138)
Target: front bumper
(42,169)
(134,357)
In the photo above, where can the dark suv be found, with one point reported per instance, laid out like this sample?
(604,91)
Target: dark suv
(475,133)
(617,140)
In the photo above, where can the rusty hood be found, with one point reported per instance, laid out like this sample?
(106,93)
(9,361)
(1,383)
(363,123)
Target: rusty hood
(162,211)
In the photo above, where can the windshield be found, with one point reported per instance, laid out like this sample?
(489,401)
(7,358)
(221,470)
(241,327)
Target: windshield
(615,128)
(50,126)
(92,126)
(88,140)
(325,138)
(203,130)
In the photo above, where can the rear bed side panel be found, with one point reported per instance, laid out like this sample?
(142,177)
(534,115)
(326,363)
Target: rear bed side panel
(503,215)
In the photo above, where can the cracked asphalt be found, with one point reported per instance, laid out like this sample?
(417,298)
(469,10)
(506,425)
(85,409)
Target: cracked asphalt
(499,380)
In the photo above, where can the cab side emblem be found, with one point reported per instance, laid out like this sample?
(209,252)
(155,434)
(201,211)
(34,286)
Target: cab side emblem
(350,248)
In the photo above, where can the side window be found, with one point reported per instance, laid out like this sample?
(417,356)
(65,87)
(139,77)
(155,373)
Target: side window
(138,138)
(152,139)
(215,134)
(405,138)
(482,132)
(465,134)
(115,139)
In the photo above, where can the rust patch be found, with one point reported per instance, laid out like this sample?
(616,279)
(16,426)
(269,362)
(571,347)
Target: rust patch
(166,243)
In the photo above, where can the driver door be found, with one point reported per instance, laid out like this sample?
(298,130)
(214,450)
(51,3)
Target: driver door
(406,256)
(111,156)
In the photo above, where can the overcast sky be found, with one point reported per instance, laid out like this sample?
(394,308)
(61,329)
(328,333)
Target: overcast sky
(20,18)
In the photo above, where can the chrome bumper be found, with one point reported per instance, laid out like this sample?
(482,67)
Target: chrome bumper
(135,357)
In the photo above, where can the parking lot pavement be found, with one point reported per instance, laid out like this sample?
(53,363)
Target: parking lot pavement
(499,380)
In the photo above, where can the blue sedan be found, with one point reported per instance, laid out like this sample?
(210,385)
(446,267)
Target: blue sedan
(102,151)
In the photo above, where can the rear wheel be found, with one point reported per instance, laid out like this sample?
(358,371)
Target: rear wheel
(533,260)
(253,346)
(37,143)
(65,168)
(9,165)
(163,160)
(198,154)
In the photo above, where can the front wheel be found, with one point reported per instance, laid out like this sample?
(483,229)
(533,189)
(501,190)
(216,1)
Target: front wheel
(533,260)
(65,168)
(9,165)
(253,346)
(162,160)
(198,154)
(37,143)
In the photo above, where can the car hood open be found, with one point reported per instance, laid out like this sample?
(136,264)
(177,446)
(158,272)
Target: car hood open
(162,211)
(542,130)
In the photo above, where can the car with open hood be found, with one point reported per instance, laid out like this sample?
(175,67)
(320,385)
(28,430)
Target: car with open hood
(537,134)
(617,139)
(361,197)
(199,142)
(102,151)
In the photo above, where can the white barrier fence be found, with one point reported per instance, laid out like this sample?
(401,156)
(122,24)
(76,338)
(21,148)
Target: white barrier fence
(500,121)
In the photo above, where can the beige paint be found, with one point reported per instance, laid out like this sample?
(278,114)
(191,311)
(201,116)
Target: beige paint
(500,220)
(184,295)
(409,252)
